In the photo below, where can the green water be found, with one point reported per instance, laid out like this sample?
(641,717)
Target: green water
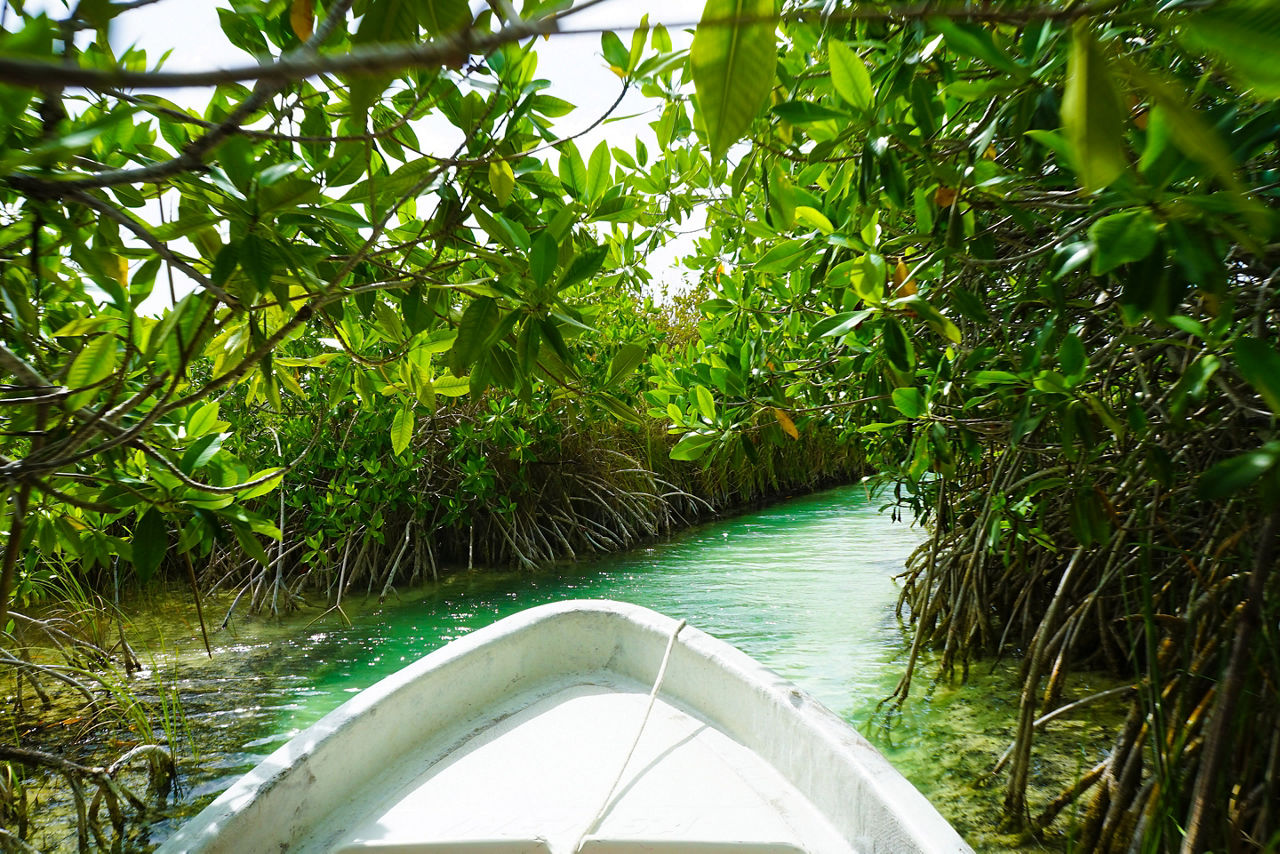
(806,587)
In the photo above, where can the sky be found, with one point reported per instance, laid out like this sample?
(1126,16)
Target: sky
(572,63)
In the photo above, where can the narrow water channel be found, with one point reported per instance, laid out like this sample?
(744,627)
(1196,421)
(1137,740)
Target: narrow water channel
(806,587)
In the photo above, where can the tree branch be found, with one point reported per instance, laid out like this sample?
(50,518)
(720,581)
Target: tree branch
(143,234)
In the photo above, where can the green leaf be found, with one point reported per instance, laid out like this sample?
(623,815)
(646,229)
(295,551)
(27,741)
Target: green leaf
(573,172)
(618,409)
(1176,119)
(1193,383)
(82,326)
(938,321)
(262,488)
(496,228)
(976,41)
(995,378)
(807,112)
(783,257)
(477,324)
(92,365)
(881,426)
(149,544)
(258,260)
(551,334)
(200,452)
(1245,35)
(528,346)
(543,258)
(250,544)
(1055,142)
(909,402)
(733,59)
(202,420)
(402,429)
(866,276)
(551,106)
(1259,363)
(440,17)
(1071,358)
(638,38)
(502,180)
(1093,117)
(898,349)
(838,324)
(1232,475)
(1123,238)
(706,403)
(388,21)
(447,385)
(849,76)
(693,446)
(813,218)
(583,267)
(615,52)
(619,209)
(599,172)
(627,359)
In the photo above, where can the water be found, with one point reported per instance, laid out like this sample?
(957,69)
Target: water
(805,587)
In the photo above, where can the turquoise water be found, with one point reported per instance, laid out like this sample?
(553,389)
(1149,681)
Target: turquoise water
(805,587)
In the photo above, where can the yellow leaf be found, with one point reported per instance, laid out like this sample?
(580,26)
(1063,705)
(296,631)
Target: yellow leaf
(302,15)
(784,421)
(904,287)
(121,272)
(944,197)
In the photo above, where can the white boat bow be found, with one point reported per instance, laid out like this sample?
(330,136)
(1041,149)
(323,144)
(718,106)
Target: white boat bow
(511,739)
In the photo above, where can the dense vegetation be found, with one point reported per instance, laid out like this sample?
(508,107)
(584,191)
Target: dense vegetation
(1019,258)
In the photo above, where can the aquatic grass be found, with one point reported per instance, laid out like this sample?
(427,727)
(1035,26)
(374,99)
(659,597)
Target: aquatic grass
(945,738)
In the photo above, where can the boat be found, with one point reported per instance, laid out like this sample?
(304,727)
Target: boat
(579,727)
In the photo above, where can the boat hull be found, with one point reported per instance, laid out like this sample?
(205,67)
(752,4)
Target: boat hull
(390,769)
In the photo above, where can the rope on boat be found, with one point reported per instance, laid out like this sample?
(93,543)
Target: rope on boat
(594,824)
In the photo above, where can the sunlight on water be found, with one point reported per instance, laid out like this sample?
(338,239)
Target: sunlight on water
(805,587)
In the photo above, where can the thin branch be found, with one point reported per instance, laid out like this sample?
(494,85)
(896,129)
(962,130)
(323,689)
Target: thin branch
(192,157)
(453,51)
(145,235)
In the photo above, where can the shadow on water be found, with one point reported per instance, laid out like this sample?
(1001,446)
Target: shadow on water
(804,587)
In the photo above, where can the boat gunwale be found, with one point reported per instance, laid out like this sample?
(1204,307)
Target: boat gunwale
(887,803)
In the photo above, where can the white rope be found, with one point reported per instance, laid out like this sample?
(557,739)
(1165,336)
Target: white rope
(594,824)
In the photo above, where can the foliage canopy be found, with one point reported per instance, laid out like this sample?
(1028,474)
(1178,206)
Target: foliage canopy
(1023,256)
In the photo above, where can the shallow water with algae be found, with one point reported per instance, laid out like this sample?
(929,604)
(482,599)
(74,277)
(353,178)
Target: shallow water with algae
(806,587)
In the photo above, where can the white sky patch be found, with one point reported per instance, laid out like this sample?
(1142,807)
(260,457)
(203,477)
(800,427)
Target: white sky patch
(190,32)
